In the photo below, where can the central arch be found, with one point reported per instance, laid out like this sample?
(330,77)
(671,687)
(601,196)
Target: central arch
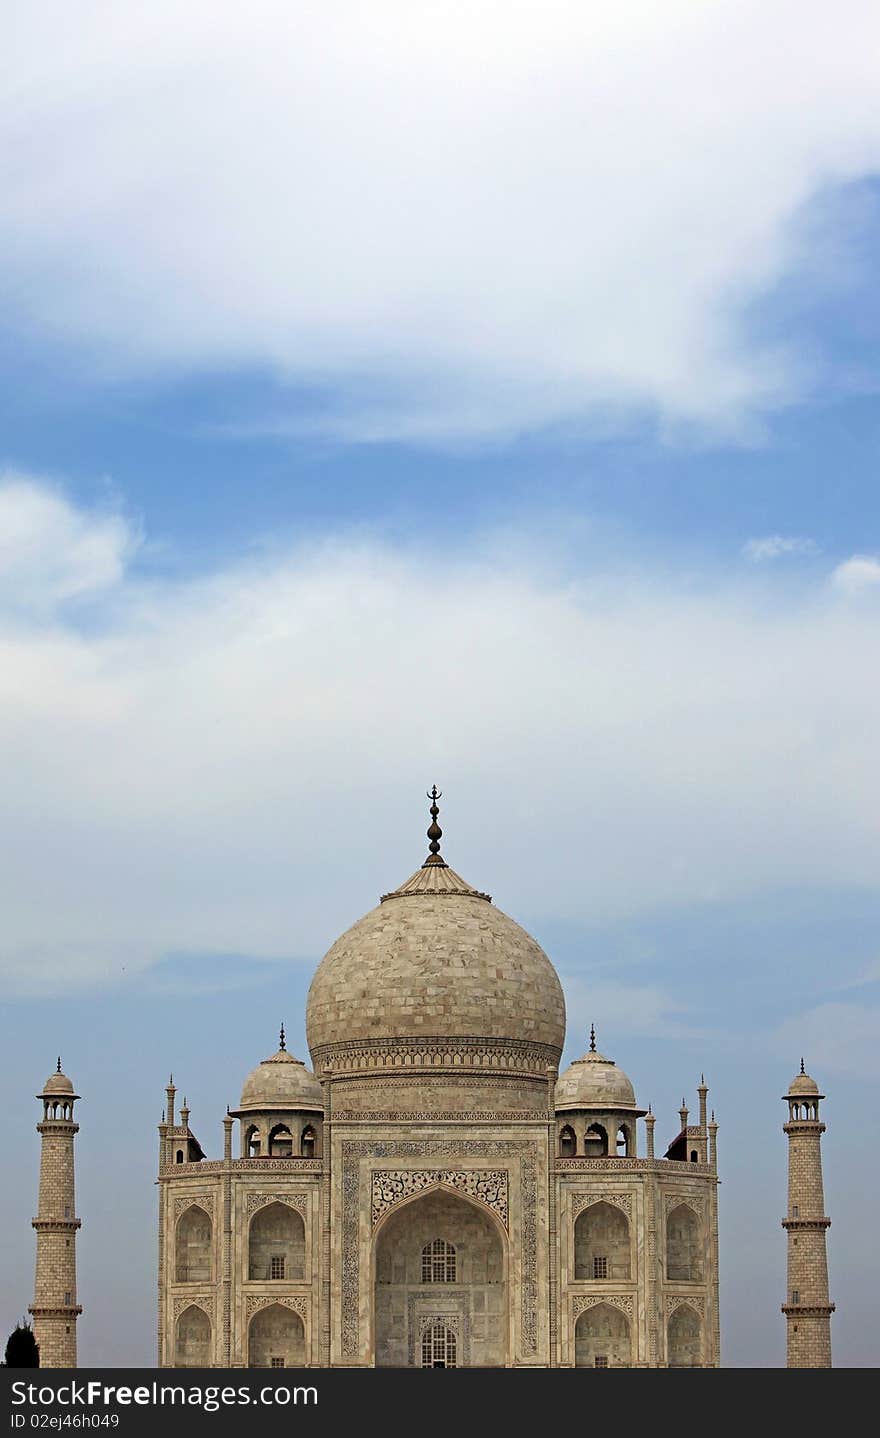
(440,1266)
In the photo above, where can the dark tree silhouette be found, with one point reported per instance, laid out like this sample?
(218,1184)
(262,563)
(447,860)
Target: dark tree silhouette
(22,1349)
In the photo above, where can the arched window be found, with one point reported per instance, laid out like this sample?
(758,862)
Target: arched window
(567,1142)
(695,1158)
(438,1263)
(280,1141)
(252,1142)
(276,1243)
(624,1143)
(601,1243)
(308,1142)
(684,1250)
(179,1158)
(596,1141)
(193,1251)
(439,1347)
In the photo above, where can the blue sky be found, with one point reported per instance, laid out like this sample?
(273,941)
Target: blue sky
(494,405)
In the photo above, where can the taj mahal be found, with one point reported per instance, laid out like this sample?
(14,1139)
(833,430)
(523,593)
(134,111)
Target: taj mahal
(433,1192)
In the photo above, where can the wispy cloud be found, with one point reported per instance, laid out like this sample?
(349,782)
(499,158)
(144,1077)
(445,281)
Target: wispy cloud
(776,546)
(835,1038)
(456,220)
(234,764)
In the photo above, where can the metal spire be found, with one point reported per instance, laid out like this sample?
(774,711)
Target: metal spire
(283,1041)
(592,1038)
(58,1069)
(435,833)
(803,1070)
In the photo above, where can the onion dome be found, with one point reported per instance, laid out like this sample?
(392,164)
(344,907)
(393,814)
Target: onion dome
(280,1082)
(436,960)
(594,1082)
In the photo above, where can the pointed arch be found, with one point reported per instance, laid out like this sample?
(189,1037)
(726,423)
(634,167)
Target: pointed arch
(276,1244)
(684,1245)
(684,1338)
(194,1246)
(602,1338)
(602,1244)
(403,1304)
(280,1143)
(596,1141)
(567,1142)
(192,1338)
(276,1338)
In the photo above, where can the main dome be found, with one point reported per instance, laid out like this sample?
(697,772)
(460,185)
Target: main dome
(435,960)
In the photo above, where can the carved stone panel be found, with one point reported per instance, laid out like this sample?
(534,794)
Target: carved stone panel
(686,1300)
(391,1186)
(592,1300)
(299,1201)
(194,1200)
(205,1301)
(255,1301)
(580,1201)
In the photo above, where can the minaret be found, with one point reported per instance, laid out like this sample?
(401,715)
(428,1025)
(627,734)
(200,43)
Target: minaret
(55,1309)
(807,1308)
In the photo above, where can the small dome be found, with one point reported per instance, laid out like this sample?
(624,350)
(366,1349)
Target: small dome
(58,1085)
(594,1082)
(281,1082)
(803,1086)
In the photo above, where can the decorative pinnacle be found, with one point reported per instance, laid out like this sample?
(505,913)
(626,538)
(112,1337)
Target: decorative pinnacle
(58,1069)
(282,1041)
(435,833)
(803,1070)
(592,1038)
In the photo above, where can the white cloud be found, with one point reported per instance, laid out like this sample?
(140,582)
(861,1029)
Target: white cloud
(50,551)
(775,546)
(835,1038)
(235,765)
(858,575)
(480,217)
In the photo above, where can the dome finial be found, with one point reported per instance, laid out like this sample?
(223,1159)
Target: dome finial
(58,1069)
(592,1038)
(803,1070)
(435,833)
(282,1042)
